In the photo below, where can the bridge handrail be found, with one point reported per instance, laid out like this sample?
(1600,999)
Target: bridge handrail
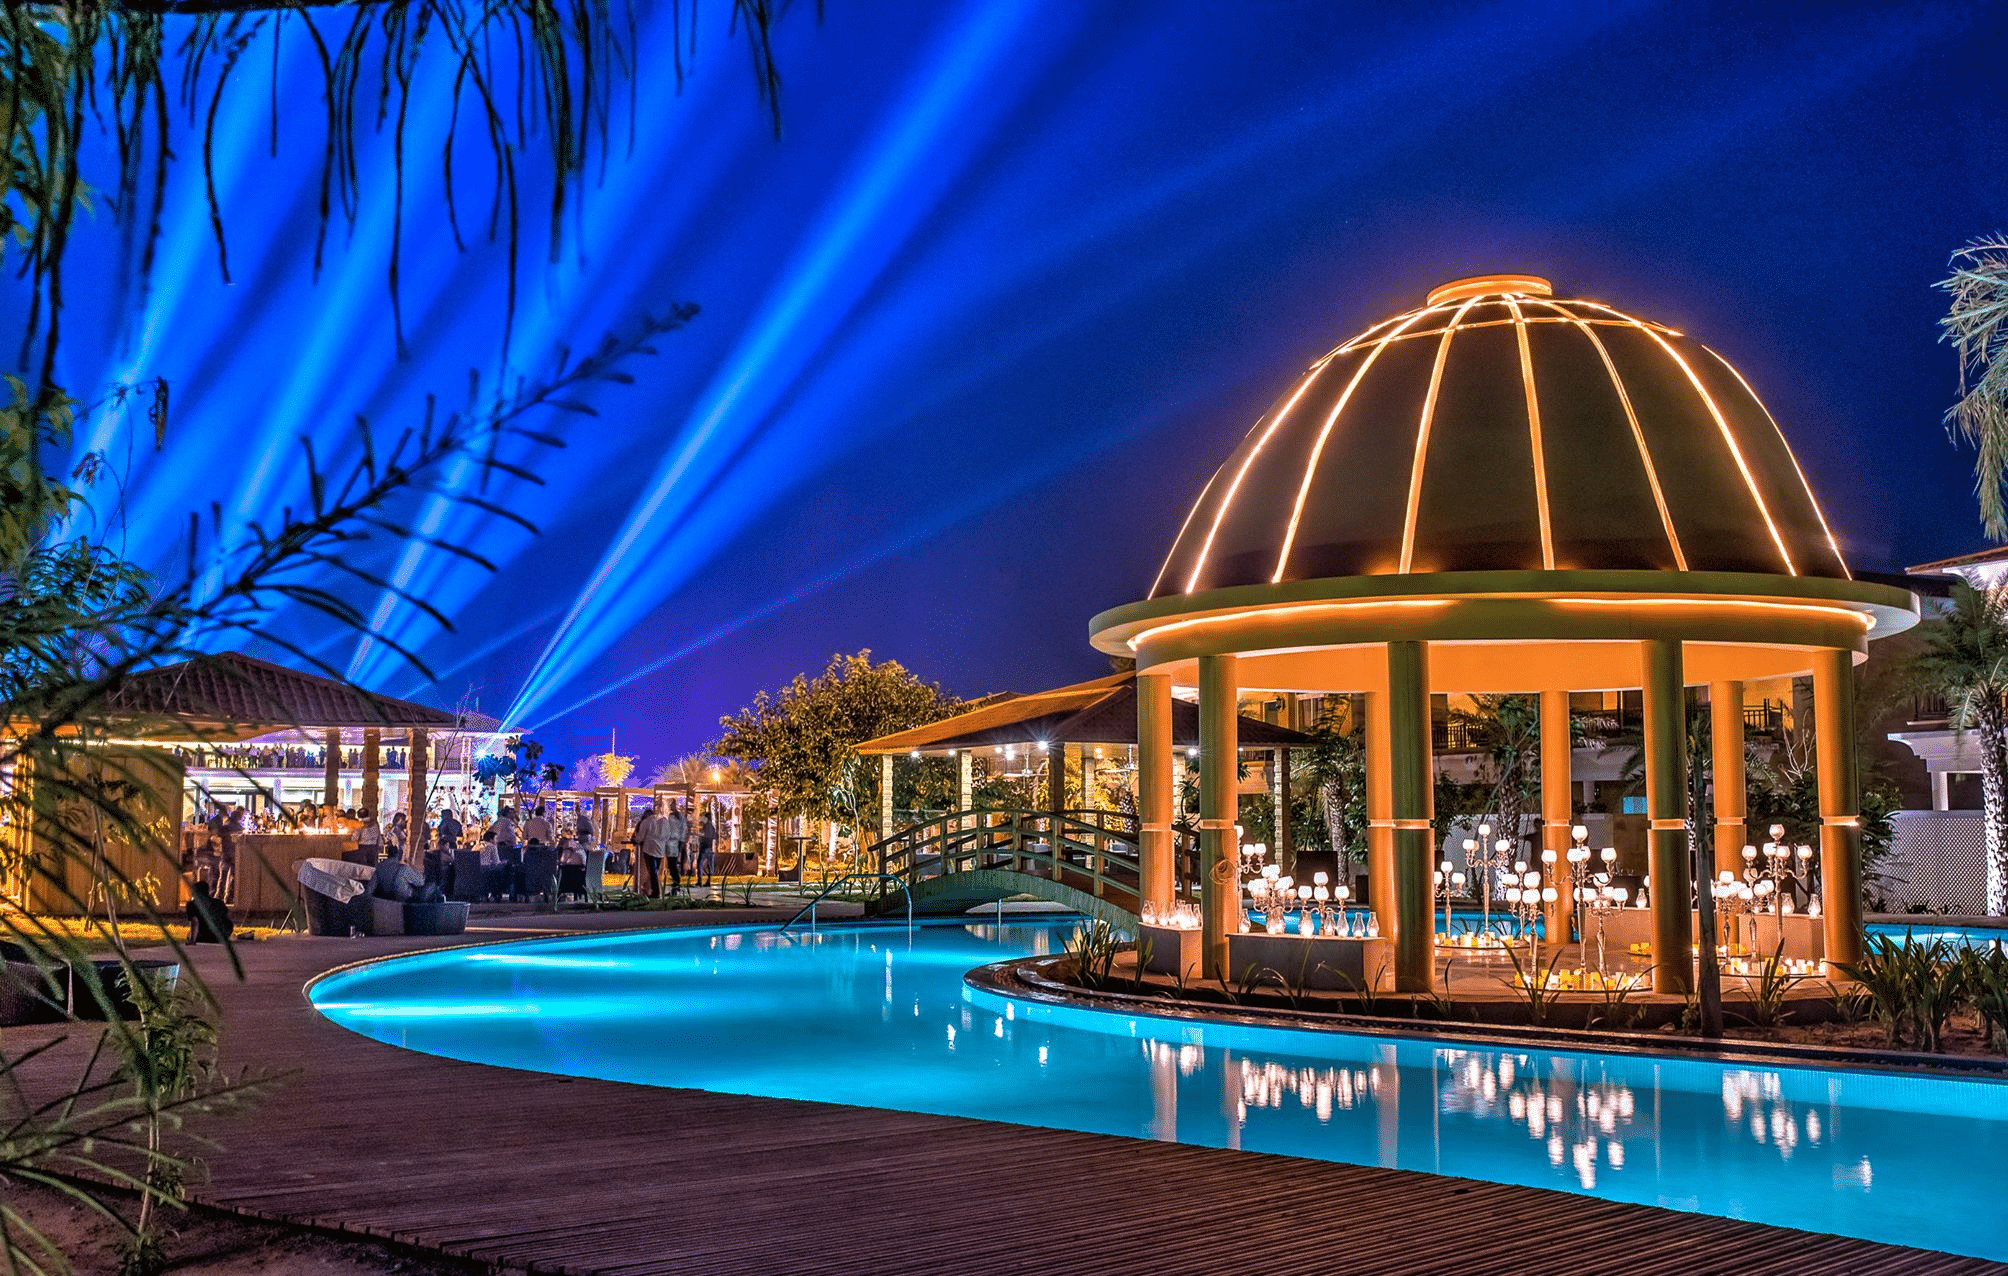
(1101,820)
(828,887)
(1102,840)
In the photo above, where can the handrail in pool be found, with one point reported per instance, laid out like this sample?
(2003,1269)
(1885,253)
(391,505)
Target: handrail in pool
(810,907)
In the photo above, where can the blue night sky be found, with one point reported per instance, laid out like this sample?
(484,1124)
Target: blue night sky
(1016,277)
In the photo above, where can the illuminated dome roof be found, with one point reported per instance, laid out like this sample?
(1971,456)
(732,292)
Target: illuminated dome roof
(1501,428)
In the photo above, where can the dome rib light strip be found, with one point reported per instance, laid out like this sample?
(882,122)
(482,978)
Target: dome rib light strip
(1248,462)
(1812,498)
(1728,436)
(1318,450)
(1422,437)
(1534,435)
(1638,432)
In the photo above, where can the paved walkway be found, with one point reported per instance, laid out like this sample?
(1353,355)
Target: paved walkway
(555,1175)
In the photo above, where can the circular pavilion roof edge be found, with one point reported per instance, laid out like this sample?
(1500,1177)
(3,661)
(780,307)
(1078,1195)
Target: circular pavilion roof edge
(1888,609)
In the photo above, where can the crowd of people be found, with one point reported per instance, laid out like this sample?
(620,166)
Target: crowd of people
(667,850)
(279,757)
(668,844)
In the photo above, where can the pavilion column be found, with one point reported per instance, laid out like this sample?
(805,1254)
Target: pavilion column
(1283,852)
(1840,799)
(1220,852)
(1411,777)
(965,782)
(1731,796)
(1154,789)
(885,797)
(1558,811)
(415,801)
(372,764)
(1666,802)
(1380,813)
(331,770)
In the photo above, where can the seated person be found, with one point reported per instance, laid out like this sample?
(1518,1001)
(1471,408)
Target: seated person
(571,853)
(208,917)
(396,880)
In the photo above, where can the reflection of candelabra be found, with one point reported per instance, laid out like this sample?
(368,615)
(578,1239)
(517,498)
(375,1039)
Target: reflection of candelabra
(1756,1103)
(1577,1117)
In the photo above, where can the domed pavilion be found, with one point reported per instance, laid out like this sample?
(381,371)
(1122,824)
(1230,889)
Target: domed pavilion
(1506,491)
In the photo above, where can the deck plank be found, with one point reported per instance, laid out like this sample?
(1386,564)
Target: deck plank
(584,1176)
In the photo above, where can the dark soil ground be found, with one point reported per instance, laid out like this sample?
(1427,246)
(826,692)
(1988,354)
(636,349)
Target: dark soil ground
(211,1243)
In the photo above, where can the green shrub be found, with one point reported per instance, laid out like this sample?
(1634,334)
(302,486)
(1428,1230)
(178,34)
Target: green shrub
(1987,990)
(1912,988)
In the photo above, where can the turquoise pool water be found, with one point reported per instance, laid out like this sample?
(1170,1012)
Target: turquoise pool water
(880,1017)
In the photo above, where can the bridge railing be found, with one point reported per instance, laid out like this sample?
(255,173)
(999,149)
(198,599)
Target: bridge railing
(1091,849)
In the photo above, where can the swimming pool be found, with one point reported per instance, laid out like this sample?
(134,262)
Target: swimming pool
(880,1016)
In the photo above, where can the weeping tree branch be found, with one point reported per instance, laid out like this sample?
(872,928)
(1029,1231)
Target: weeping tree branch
(569,57)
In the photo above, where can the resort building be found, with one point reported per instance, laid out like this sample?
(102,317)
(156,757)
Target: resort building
(232,732)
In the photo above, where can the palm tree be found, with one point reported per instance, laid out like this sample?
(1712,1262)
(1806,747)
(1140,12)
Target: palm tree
(1508,729)
(1977,327)
(1334,769)
(1965,661)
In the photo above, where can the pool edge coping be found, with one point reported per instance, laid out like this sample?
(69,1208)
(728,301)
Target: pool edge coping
(1024,979)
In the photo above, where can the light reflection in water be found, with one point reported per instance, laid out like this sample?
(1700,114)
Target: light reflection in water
(881,1017)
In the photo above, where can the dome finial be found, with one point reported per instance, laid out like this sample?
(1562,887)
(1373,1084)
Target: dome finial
(1484,285)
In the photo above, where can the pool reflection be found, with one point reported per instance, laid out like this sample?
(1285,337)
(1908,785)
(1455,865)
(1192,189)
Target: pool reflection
(881,1017)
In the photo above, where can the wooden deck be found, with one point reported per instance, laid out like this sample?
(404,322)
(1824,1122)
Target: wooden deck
(534,1172)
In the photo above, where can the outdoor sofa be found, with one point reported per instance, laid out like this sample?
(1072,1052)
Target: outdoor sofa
(338,900)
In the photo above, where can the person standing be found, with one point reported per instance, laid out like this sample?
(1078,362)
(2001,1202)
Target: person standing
(583,830)
(647,841)
(675,833)
(538,827)
(369,835)
(707,843)
(449,828)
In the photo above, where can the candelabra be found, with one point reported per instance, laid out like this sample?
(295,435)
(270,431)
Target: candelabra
(1525,896)
(1783,866)
(1733,899)
(1268,894)
(1486,858)
(1325,895)
(1448,880)
(1598,895)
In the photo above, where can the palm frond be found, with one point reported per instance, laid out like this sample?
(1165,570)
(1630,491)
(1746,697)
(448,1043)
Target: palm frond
(1976,326)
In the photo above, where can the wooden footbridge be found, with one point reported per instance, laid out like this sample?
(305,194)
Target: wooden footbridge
(1084,859)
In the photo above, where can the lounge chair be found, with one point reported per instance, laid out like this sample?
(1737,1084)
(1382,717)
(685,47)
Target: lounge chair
(337,895)
(540,872)
(386,917)
(470,877)
(596,876)
(442,917)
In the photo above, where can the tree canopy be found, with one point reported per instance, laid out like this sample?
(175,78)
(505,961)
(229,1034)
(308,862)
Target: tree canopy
(802,741)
